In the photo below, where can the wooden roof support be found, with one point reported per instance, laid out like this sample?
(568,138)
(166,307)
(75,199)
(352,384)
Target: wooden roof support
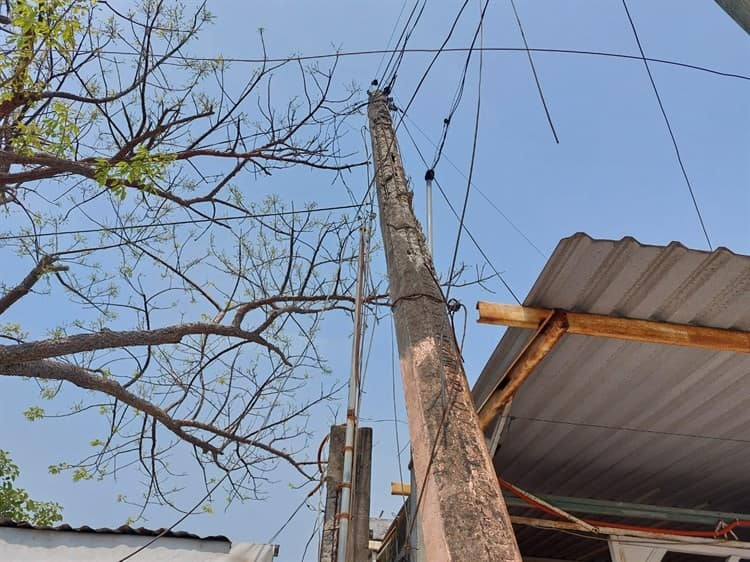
(649,331)
(400,488)
(552,328)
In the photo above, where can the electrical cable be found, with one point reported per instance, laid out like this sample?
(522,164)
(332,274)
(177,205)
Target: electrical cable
(393,32)
(471,173)
(465,227)
(179,223)
(455,389)
(474,186)
(418,50)
(398,58)
(459,92)
(180,520)
(669,127)
(632,429)
(396,49)
(289,519)
(226,474)
(533,71)
(405,110)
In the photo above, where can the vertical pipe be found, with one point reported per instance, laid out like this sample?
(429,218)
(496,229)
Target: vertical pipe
(344,515)
(428,177)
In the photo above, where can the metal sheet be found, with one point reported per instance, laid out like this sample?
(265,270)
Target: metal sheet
(616,420)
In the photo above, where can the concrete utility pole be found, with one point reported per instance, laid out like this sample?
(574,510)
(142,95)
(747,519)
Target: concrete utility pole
(359,530)
(739,10)
(462,511)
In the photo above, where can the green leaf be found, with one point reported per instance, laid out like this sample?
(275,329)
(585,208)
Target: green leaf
(34,413)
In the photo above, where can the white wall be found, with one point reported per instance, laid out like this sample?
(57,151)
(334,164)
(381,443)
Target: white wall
(26,545)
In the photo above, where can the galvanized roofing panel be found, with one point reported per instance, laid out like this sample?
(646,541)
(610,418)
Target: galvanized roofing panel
(617,420)
(122,530)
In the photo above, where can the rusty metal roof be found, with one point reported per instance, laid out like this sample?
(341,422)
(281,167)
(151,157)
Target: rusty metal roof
(122,530)
(616,420)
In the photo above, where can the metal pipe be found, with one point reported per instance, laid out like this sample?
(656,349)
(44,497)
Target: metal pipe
(564,514)
(344,515)
(429,176)
(633,510)
(619,532)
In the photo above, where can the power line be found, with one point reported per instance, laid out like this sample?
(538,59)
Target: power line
(476,187)
(187,514)
(533,71)
(178,223)
(399,57)
(459,93)
(419,50)
(465,227)
(432,62)
(173,525)
(669,127)
(471,164)
(630,429)
(393,32)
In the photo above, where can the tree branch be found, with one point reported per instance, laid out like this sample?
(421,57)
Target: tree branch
(107,339)
(44,265)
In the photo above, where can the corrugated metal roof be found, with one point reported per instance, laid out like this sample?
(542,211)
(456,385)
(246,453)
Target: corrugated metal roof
(122,530)
(617,420)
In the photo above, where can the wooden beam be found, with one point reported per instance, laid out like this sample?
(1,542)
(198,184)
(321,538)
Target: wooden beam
(585,324)
(549,333)
(400,488)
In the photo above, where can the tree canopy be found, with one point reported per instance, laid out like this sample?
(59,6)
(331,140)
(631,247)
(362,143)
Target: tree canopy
(184,309)
(16,504)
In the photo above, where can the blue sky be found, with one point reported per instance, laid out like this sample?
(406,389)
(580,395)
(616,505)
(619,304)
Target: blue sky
(613,174)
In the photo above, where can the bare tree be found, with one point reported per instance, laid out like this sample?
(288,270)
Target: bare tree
(188,311)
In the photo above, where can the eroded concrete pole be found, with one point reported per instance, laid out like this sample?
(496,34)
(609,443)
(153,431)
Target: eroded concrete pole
(462,511)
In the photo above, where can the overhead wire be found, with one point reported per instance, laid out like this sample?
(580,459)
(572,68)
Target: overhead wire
(180,520)
(533,71)
(264,423)
(179,223)
(669,127)
(471,164)
(393,32)
(418,50)
(440,50)
(456,97)
(631,429)
(405,110)
(455,389)
(398,57)
(465,226)
(476,188)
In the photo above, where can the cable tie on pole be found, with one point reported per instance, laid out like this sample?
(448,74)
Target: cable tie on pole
(429,175)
